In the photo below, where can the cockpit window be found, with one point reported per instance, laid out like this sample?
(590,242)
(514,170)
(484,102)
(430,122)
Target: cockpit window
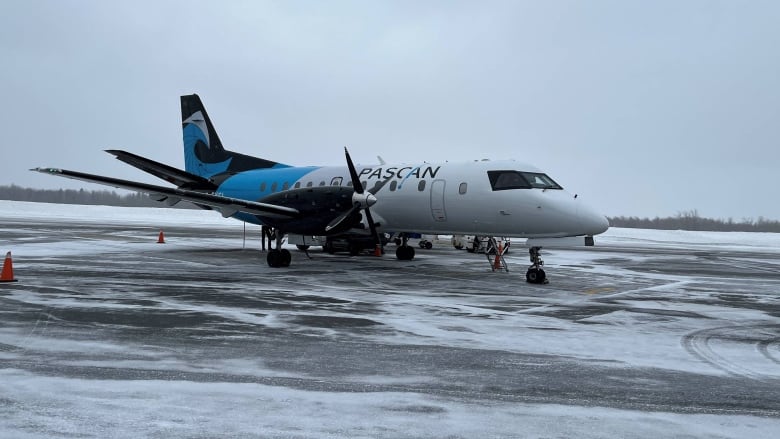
(504,180)
(540,181)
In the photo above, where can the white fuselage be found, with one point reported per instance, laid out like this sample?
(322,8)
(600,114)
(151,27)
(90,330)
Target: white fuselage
(443,198)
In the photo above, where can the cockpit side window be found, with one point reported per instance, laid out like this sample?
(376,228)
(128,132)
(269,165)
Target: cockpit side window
(540,181)
(504,180)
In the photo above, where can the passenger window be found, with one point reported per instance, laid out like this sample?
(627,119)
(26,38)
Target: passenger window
(336,181)
(462,188)
(297,184)
(421,185)
(262,187)
(322,183)
(310,184)
(365,185)
(273,187)
(393,185)
(285,186)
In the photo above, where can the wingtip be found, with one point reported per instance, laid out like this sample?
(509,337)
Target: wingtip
(47,170)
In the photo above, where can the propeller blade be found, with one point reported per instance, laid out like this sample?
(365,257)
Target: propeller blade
(356,184)
(372,226)
(360,200)
(341,218)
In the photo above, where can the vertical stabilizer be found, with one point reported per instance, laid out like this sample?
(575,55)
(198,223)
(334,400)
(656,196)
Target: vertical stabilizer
(204,154)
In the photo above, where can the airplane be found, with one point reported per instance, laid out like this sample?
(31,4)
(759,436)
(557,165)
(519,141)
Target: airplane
(486,198)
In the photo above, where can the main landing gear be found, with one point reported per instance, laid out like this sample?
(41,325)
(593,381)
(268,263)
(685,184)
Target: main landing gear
(404,252)
(535,273)
(278,257)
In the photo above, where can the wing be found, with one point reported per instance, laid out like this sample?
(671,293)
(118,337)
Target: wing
(182,179)
(226,205)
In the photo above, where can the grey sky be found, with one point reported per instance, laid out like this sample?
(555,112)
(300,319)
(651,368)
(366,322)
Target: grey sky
(642,107)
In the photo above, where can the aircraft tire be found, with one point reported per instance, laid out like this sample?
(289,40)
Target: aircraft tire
(285,258)
(273,258)
(404,253)
(428,245)
(535,276)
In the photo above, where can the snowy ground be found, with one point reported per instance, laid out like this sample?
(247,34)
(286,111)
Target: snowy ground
(650,333)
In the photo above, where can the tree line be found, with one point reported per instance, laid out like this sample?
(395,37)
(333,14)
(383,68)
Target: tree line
(689,220)
(81,196)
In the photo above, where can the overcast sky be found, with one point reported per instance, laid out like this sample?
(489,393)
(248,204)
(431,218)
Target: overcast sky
(641,107)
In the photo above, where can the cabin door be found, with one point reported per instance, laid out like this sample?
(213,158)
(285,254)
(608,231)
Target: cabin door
(437,201)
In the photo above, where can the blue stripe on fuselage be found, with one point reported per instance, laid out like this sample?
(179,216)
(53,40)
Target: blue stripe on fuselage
(247,185)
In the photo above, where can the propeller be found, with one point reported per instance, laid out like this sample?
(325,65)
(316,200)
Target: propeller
(361,199)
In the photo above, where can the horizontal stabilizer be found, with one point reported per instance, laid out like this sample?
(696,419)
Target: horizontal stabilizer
(182,179)
(226,205)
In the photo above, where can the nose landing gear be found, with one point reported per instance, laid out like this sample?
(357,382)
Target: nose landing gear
(535,273)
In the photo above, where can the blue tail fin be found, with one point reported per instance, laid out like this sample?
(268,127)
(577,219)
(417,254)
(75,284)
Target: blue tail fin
(204,154)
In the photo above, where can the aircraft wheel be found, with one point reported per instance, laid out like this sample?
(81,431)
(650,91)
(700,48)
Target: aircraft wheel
(404,253)
(535,276)
(285,258)
(428,245)
(274,258)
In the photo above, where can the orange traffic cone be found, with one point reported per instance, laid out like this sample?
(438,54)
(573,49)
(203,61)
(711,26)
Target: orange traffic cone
(161,238)
(7,274)
(378,250)
(497,262)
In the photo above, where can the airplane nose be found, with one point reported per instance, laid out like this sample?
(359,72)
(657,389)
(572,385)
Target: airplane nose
(593,222)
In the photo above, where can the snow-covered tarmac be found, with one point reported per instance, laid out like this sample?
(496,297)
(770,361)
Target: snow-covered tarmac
(648,334)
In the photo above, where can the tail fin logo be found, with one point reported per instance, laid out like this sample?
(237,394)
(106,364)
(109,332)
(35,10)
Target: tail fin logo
(197,144)
(199,121)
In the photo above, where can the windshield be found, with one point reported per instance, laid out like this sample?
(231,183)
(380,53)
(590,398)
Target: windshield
(504,180)
(541,181)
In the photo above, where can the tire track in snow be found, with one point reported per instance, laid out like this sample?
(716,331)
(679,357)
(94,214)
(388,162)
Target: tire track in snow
(699,345)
